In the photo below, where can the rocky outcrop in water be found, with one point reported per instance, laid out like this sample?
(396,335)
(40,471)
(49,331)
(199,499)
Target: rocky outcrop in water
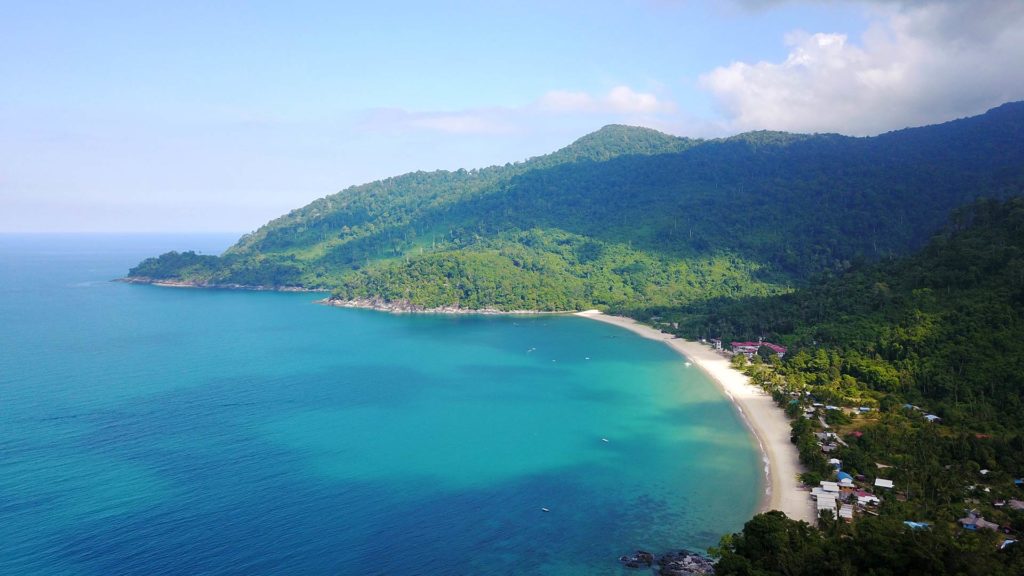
(682,563)
(638,559)
(685,563)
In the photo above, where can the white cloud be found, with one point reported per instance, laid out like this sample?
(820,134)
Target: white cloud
(479,121)
(620,104)
(459,124)
(919,63)
(620,100)
(565,101)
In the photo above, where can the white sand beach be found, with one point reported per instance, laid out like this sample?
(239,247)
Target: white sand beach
(765,419)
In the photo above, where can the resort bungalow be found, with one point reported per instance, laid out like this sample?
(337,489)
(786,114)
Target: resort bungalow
(868,500)
(932,418)
(975,522)
(883,483)
(748,349)
(827,503)
(1016,504)
(846,512)
(917,525)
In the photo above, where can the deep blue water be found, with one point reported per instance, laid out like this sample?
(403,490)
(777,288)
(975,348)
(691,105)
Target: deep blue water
(148,430)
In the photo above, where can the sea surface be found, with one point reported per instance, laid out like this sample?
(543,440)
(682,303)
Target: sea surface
(148,430)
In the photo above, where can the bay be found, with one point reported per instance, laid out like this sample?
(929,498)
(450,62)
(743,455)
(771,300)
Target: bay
(148,430)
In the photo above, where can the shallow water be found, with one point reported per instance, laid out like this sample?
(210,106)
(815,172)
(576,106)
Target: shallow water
(149,430)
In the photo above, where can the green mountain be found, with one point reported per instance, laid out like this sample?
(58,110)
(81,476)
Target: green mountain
(936,329)
(627,218)
(934,332)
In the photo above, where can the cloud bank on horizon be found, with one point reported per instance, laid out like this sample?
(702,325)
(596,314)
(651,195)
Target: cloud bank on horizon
(920,62)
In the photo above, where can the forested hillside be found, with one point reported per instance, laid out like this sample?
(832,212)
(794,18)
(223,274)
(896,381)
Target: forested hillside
(628,218)
(935,333)
(936,329)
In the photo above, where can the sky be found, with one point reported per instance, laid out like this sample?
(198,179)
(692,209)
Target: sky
(219,116)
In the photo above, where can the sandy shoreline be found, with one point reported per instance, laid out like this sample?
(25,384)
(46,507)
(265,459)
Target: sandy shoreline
(764,418)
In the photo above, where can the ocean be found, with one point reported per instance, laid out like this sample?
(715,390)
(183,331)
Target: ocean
(148,430)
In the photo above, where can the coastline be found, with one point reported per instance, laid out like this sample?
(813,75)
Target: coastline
(404,307)
(766,421)
(763,417)
(190,284)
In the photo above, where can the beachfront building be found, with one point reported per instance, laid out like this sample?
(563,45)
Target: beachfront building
(883,483)
(748,349)
(866,499)
(846,512)
(828,502)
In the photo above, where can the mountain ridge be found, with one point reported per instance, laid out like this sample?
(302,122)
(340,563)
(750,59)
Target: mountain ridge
(628,216)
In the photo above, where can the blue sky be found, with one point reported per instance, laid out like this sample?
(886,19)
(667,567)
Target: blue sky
(218,116)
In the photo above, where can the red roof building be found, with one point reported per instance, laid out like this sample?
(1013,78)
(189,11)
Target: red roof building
(751,348)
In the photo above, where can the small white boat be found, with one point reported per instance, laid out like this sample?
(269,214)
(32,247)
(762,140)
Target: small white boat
(604,439)
(688,364)
(545,510)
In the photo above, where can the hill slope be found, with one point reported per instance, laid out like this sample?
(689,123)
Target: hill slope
(628,218)
(937,329)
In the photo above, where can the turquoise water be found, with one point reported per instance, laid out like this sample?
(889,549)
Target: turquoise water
(149,430)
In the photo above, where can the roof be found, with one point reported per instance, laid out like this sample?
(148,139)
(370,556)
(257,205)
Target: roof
(917,525)
(974,522)
(755,345)
(846,511)
(829,486)
(982,523)
(826,503)
(883,483)
(844,476)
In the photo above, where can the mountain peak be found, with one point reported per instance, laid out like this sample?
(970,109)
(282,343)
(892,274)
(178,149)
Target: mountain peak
(622,140)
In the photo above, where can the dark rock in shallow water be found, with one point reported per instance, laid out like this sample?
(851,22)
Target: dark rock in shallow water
(685,563)
(640,558)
